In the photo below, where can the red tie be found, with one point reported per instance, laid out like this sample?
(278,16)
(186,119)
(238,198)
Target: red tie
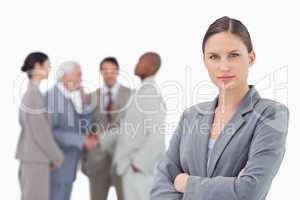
(109,106)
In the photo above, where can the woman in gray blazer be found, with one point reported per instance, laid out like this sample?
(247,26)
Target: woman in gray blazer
(230,148)
(37,150)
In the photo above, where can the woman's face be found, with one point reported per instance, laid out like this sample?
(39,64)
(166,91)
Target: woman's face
(43,69)
(227,60)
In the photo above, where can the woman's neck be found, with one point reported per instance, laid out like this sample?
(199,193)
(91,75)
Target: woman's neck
(229,99)
(36,79)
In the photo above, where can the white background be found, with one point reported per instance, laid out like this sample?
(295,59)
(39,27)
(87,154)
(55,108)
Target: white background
(87,31)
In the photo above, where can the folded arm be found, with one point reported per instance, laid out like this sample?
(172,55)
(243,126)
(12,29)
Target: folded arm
(265,156)
(167,170)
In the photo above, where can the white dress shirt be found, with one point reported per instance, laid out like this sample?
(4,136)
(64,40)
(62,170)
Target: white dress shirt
(104,93)
(75,97)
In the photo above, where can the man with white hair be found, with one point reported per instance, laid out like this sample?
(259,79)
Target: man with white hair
(66,104)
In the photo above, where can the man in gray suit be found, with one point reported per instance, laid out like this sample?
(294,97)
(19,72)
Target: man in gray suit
(108,107)
(66,104)
(140,140)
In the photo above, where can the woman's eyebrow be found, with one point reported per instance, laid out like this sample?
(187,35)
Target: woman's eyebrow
(211,53)
(235,50)
(231,51)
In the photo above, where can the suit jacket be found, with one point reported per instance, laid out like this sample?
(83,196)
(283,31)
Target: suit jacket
(141,133)
(69,128)
(36,142)
(245,158)
(98,160)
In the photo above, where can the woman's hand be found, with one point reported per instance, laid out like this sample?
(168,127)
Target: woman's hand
(180,182)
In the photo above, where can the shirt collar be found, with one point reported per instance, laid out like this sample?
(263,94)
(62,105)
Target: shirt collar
(149,79)
(114,89)
(63,90)
(74,96)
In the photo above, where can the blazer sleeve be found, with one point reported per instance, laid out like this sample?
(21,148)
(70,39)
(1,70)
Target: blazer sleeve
(168,168)
(62,137)
(153,127)
(42,134)
(65,138)
(265,156)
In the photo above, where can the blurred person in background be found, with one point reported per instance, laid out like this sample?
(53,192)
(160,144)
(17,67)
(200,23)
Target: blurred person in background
(66,103)
(140,138)
(37,150)
(109,106)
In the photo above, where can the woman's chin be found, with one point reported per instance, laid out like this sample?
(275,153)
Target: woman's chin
(227,85)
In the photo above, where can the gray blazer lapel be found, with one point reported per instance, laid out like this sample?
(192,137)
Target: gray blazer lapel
(201,138)
(202,126)
(119,103)
(234,124)
(98,100)
(230,129)
(99,111)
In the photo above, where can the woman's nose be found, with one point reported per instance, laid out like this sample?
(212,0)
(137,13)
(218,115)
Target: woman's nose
(224,65)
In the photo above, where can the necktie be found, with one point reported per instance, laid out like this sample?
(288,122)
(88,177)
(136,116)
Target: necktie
(109,106)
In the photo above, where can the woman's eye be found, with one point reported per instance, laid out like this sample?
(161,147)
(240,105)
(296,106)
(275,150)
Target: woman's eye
(213,57)
(233,55)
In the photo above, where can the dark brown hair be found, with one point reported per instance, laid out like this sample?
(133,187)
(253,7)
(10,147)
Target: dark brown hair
(31,60)
(111,60)
(226,24)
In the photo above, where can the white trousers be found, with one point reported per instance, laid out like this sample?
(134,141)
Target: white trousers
(137,185)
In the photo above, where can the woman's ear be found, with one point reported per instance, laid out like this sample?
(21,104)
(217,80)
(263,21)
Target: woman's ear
(252,57)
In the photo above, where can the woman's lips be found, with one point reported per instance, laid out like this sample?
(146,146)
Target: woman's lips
(225,78)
